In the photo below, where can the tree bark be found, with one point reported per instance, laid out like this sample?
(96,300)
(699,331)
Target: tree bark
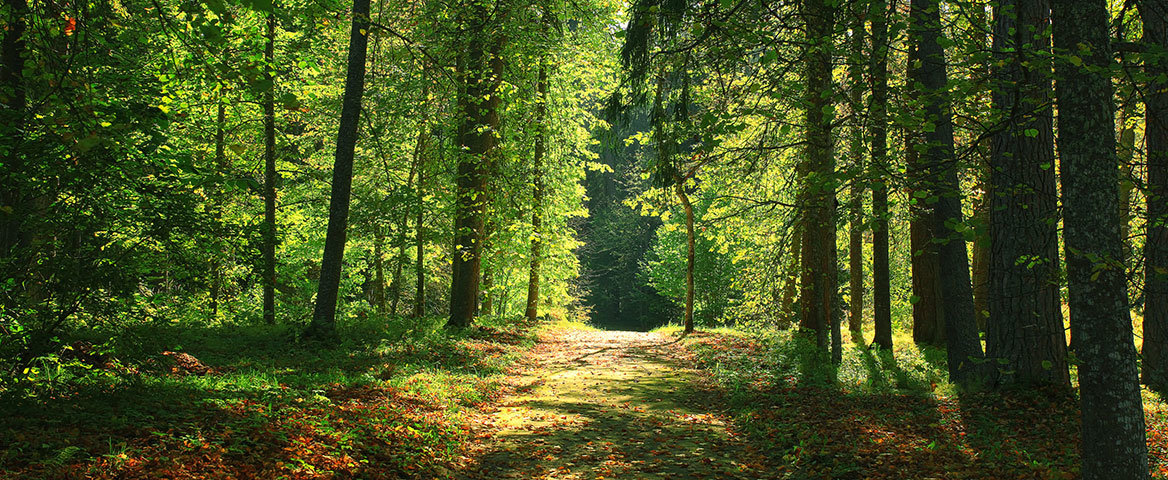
(878,141)
(541,120)
(1024,331)
(269,240)
(928,70)
(1113,416)
(323,324)
(221,164)
(482,75)
(1155,18)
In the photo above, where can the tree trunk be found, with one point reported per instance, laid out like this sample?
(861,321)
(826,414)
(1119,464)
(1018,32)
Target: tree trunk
(1024,332)
(379,270)
(269,240)
(878,140)
(856,198)
(1113,415)
(928,70)
(679,188)
(323,324)
(541,89)
(482,75)
(928,314)
(1155,17)
(421,150)
(221,164)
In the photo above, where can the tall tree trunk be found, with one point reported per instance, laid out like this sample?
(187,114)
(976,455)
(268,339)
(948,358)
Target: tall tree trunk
(269,241)
(878,140)
(221,165)
(1113,415)
(378,270)
(679,189)
(1155,17)
(541,121)
(421,149)
(402,238)
(928,70)
(1024,332)
(928,312)
(482,75)
(856,200)
(323,324)
(820,275)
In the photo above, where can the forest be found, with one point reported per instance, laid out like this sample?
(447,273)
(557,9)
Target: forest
(584,239)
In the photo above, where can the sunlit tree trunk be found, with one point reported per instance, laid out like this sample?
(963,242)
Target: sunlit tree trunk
(541,121)
(482,75)
(1024,331)
(927,69)
(1113,432)
(1155,18)
(323,324)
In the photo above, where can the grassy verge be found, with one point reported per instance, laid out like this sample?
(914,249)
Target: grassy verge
(396,398)
(884,414)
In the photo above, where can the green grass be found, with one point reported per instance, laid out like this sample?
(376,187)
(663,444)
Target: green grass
(393,396)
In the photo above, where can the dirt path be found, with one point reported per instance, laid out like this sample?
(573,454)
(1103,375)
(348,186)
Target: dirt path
(600,404)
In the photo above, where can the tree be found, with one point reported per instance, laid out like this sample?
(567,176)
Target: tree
(927,70)
(1154,14)
(481,74)
(1024,331)
(878,141)
(323,324)
(1113,417)
(819,274)
(269,231)
(537,191)
(856,195)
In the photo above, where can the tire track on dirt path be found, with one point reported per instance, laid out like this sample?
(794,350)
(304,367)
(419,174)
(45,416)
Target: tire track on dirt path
(604,404)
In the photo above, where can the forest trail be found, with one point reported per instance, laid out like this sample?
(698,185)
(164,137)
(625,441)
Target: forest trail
(607,404)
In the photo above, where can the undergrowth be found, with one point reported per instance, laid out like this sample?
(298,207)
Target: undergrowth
(393,399)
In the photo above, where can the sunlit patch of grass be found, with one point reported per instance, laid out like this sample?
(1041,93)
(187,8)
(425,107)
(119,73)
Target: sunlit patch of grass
(566,324)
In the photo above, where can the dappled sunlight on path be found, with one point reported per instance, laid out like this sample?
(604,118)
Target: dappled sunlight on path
(600,404)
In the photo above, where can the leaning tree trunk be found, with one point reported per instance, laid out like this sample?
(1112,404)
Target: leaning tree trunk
(1024,331)
(482,75)
(819,274)
(269,235)
(1113,432)
(928,70)
(323,324)
(878,140)
(541,121)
